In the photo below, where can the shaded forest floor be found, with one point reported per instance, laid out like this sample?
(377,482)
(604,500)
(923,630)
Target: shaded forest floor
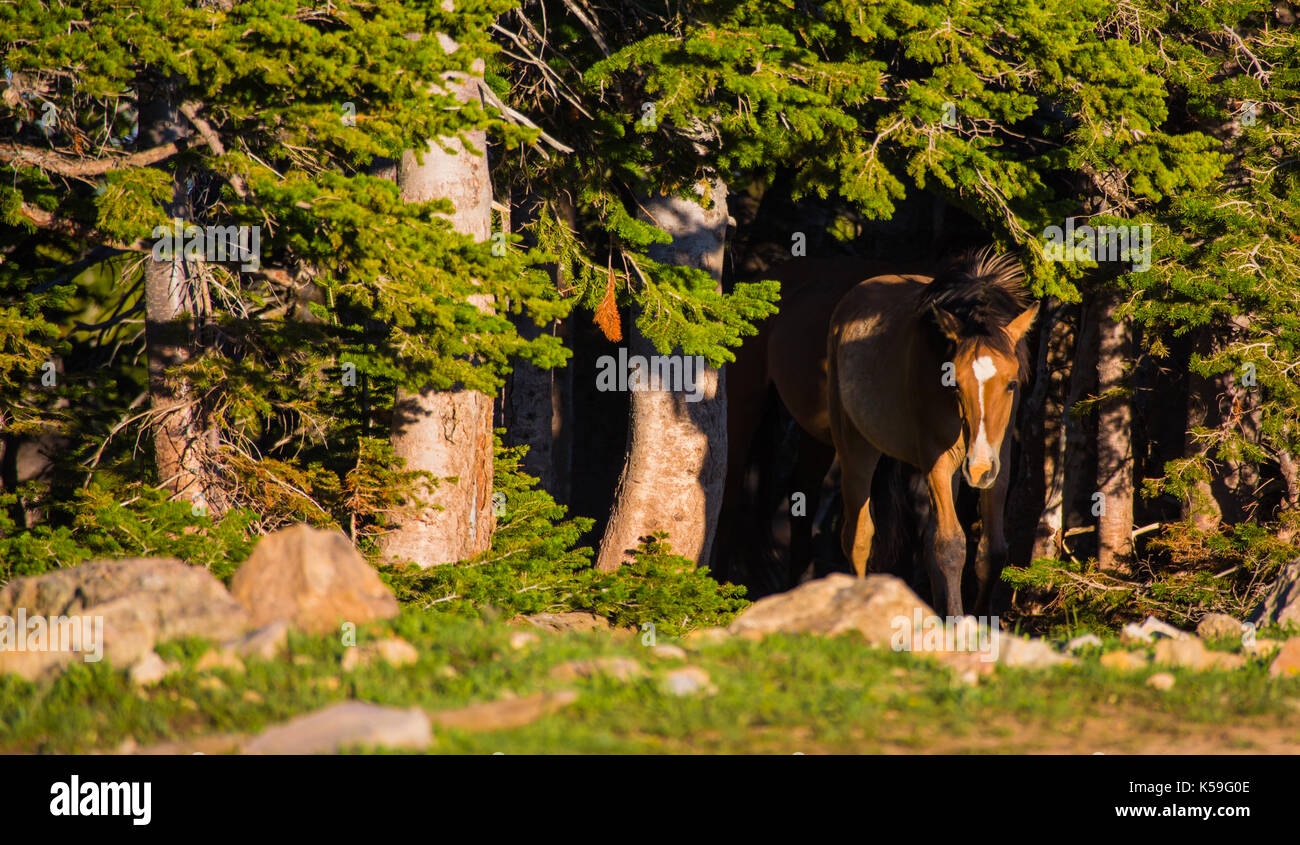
(783,695)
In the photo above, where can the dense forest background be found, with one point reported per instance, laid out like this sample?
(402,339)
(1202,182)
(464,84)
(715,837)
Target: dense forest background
(461,206)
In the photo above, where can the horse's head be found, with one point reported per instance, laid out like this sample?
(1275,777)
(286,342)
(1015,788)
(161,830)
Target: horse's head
(980,308)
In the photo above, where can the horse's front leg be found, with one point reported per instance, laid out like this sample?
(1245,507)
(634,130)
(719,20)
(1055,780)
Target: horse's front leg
(992,554)
(945,546)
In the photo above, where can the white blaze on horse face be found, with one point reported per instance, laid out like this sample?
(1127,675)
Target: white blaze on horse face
(984,370)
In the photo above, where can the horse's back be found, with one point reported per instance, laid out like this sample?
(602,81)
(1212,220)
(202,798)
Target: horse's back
(796,339)
(872,338)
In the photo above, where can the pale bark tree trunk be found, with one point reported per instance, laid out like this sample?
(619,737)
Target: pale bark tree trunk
(1114,440)
(676,461)
(175,299)
(448,433)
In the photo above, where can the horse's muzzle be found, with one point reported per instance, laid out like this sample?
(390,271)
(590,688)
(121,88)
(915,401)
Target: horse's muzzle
(980,475)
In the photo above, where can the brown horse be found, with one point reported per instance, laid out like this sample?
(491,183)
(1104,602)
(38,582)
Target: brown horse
(927,370)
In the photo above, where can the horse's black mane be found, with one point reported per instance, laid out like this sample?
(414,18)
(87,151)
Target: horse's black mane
(983,289)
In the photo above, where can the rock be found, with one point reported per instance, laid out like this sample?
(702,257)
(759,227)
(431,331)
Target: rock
(1262,647)
(688,680)
(522,639)
(1191,653)
(618,668)
(503,715)
(706,636)
(1151,627)
(34,665)
(835,605)
(1124,661)
(1217,626)
(1287,662)
(252,696)
(1083,641)
(266,643)
(148,670)
(141,602)
(1281,604)
(1022,653)
(1161,680)
(668,652)
(219,659)
(883,609)
(313,579)
(394,651)
(347,724)
(570,621)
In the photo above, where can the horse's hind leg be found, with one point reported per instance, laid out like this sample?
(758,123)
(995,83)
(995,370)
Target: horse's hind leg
(858,460)
(945,546)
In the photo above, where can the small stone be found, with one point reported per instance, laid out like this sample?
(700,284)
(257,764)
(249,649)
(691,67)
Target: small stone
(266,643)
(252,696)
(688,680)
(1083,641)
(570,621)
(707,636)
(1217,626)
(345,725)
(522,639)
(1262,647)
(1151,627)
(219,659)
(1191,653)
(394,651)
(668,652)
(148,670)
(1124,661)
(1023,653)
(1187,654)
(212,683)
(1287,662)
(619,668)
(1161,681)
(506,714)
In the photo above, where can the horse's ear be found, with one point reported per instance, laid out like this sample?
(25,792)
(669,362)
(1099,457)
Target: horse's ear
(948,323)
(1016,328)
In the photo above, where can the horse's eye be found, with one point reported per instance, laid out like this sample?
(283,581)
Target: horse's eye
(1012,385)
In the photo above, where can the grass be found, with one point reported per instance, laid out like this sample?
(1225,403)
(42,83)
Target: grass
(783,695)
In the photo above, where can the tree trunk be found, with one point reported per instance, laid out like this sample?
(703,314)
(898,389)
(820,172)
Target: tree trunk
(537,403)
(676,461)
(175,299)
(1114,440)
(448,433)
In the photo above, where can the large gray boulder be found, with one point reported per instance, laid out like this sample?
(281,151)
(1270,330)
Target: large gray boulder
(138,601)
